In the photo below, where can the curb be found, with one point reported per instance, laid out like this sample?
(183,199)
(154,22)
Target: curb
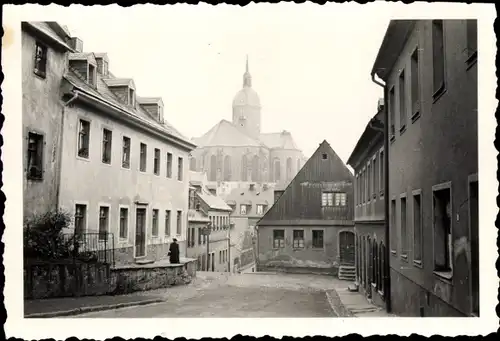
(90,309)
(336,304)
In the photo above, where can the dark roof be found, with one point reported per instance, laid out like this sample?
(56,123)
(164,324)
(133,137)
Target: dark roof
(340,172)
(52,31)
(103,93)
(394,40)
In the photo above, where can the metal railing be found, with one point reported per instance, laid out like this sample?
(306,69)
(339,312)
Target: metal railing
(98,247)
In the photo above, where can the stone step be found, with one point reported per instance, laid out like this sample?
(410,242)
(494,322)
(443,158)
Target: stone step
(347,270)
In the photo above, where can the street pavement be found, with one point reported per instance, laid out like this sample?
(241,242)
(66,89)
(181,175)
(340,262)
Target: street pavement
(239,295)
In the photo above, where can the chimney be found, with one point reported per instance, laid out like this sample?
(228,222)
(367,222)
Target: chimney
(76,44)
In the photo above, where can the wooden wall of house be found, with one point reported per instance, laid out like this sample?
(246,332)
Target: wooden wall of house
(324,171)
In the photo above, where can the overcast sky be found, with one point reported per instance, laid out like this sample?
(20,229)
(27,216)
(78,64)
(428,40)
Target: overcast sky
(310,64)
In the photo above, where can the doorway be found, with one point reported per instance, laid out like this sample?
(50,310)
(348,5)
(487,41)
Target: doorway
(347,250)
(140,232)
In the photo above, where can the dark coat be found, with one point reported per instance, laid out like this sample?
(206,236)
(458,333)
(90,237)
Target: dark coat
(174,253)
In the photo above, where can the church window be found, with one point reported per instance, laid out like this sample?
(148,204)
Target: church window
(213,168)
(298,165)
(255,168)
(244,168)
(227,168)
(289,168)
(277,170)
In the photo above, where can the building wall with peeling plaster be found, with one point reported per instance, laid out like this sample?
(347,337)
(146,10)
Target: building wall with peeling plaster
(438,146)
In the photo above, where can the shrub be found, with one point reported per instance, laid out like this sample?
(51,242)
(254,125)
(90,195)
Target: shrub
(43,237)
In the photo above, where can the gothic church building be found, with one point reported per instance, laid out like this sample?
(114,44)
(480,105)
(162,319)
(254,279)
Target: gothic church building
(237,151)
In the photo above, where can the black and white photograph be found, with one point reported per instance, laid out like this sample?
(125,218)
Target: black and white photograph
(286,160)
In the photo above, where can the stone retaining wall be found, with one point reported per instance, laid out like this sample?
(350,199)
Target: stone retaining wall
(49,280)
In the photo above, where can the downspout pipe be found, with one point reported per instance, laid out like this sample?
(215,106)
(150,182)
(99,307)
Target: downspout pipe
(61,144)
(387,265)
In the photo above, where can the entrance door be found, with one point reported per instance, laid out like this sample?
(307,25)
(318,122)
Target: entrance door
(213,262)
(140,232)
(347,249)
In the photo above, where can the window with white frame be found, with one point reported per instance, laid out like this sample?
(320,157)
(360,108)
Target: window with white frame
(123,222)
(278,239)
(327,199)
(298,239)
(340,199)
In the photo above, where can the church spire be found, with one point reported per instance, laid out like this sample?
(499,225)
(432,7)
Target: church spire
(247,78)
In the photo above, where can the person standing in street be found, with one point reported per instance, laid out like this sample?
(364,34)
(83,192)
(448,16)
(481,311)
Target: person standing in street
(174,252)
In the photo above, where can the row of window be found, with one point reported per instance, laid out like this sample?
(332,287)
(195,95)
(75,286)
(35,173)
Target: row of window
(107,139)
(333,199)
(219,222)
(410,101)
(370,180)
(250,171)
(204,265)
(298,239)
(124,218)
(245,209)
(442,225)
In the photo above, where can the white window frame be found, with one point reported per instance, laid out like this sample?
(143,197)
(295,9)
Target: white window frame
(446,275)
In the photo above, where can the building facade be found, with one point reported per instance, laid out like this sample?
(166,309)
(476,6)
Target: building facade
(367,160)
(250,201)
(123,166)
(212,251)
(238,151)
(242,253)
(430,72)
(45,48)
(310,227)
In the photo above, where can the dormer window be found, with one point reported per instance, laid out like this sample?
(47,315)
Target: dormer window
(160,114)
(91,76)
(131,97)
(105,68)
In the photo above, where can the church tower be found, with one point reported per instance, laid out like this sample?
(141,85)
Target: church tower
(246,107)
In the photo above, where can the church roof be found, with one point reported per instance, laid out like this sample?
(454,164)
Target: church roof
(226,134)
(283,140)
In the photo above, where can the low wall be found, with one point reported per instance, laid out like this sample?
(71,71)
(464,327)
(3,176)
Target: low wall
(68,279)
(331,271)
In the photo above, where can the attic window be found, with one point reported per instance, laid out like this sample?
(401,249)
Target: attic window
(324,156)
(160,113)
(40,60)
(91,78)
(105,68)
(131,97)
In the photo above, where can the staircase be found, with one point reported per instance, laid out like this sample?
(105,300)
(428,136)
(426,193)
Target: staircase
(347,273)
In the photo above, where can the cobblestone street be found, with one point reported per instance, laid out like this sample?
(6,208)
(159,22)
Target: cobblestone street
(245,295)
